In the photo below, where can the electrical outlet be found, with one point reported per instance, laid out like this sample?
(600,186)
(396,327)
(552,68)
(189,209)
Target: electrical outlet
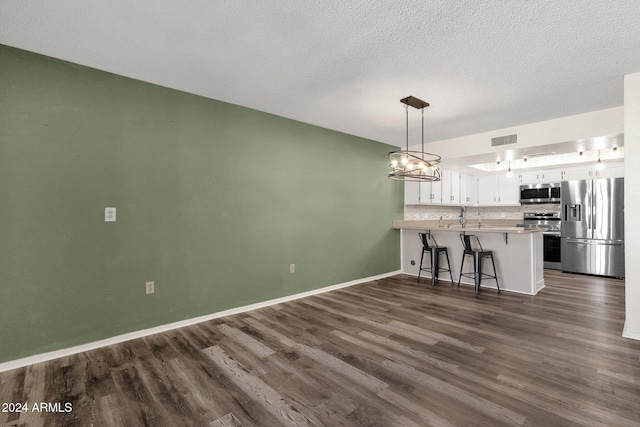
(150,287)
(503,215)
(109,214)
(292,268)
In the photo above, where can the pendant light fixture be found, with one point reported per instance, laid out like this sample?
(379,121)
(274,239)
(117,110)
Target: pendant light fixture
(414,166)
(599,165)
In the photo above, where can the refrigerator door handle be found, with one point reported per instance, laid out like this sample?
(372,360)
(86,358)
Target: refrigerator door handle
(596,242)
(591,207)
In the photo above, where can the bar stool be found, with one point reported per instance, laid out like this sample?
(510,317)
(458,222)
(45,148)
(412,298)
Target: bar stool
(430,245)
(478,254)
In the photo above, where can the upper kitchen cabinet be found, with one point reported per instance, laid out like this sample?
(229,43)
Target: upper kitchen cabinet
(577,172)
(487,190)
(411,193)
(498,190)
(431,193)
(468,189)
(443,192)
(509,190)
(541,177)
(610,170)
(450,187)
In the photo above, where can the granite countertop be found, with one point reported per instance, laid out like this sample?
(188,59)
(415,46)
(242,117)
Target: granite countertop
(434,225)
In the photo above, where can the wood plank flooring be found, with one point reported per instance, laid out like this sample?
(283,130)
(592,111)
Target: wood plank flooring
(385,353)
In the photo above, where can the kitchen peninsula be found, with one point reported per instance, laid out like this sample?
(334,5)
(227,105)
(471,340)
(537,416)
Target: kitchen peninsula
(518,252)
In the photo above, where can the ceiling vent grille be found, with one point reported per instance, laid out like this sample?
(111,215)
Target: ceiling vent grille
(504,140)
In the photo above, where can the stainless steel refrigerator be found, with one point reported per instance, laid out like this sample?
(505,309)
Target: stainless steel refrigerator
(593,227)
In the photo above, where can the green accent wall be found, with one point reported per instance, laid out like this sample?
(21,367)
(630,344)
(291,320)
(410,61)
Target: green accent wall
(214,201)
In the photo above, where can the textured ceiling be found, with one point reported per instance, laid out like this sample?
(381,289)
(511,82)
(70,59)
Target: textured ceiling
(344,65)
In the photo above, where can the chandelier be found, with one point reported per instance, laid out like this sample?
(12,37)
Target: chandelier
(414,165)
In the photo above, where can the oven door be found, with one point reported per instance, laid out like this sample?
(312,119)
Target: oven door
(552,254)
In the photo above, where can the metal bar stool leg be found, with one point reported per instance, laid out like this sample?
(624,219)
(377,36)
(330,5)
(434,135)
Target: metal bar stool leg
(461,266)
(495,273)
(420,270)
(435,265)
(477,263)
(446,253)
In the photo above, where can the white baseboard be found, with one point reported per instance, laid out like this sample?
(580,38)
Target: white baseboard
(43,357)
(628,334)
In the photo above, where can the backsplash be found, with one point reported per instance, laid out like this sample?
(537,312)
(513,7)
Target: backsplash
(486,212)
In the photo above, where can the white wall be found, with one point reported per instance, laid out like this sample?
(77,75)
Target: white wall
(632,203)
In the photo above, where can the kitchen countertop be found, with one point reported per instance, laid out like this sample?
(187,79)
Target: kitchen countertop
(434,225)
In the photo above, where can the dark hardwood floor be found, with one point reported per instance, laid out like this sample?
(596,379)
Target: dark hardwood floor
(385,353)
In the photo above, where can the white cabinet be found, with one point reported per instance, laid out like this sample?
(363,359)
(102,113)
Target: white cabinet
(530,177)
(431,193)
(498,190)
(436,192)
(508,190)
(487,190)
(577,172)
(443,192)
(450,185)
(467,189)
(551,175)
(411,193)
(543,176)
(609,170)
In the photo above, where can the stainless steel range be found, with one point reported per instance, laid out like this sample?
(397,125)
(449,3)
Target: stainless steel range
(552,242)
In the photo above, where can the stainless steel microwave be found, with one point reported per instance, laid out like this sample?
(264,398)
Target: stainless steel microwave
(540,193)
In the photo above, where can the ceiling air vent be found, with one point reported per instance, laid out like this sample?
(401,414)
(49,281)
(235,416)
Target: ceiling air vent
(504,140)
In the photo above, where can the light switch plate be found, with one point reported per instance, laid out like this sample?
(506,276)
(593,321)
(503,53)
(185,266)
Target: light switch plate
(109,214)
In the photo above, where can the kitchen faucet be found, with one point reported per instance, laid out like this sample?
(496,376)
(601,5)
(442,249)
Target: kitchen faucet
(463,215)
